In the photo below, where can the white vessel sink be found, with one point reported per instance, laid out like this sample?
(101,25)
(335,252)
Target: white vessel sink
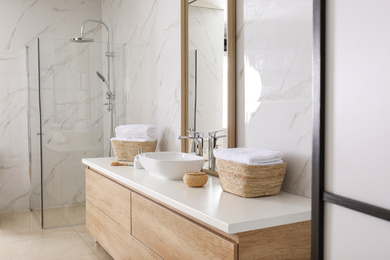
(171,165)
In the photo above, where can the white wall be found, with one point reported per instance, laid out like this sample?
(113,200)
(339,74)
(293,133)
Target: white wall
(274,107)
(357,129)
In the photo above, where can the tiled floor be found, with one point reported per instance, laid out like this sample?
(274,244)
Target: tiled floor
(21,238)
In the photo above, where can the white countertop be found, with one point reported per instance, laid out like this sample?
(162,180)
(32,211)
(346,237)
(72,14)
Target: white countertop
(210,204)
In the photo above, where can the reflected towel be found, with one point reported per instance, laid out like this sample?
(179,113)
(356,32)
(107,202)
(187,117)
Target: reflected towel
(133,139)
(249,156)
(136,131)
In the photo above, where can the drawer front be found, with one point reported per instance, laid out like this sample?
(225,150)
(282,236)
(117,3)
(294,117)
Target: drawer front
(174,237)
(110,197)
(291,241)
(114,239)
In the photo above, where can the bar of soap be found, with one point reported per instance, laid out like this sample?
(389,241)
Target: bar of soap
(195,179)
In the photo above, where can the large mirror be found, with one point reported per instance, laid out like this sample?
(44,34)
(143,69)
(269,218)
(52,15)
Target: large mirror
(208,73)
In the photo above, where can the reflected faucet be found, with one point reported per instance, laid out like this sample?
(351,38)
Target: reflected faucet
(198,141)
(213,138)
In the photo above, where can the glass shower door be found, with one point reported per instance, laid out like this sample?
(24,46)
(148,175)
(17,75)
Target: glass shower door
(74,123)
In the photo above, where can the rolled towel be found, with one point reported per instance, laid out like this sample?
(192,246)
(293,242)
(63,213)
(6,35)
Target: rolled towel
(136,131)
(249,156)
(134,139)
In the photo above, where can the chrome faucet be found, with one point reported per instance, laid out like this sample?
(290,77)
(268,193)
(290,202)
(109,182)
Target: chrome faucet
(197,143)
(213,138)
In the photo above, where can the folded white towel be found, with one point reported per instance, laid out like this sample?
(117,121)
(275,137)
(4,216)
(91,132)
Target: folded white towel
(250,156)
(136,131)
(133,139)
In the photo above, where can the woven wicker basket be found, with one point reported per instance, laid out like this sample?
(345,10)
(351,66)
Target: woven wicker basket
(250,181)
(195,179)
(126,150)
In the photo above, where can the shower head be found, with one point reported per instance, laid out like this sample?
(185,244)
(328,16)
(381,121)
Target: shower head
(104,80)
(81,39)
(100,76)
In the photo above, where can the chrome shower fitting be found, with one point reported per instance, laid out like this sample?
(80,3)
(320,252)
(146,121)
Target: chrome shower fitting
(109,54)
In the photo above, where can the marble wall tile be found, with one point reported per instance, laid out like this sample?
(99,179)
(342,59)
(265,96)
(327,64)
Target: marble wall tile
(274,40)
(14,182)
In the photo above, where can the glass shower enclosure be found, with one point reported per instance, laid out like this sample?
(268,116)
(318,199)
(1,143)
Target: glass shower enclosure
(68,120)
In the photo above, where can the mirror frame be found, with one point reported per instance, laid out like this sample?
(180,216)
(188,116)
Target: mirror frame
(318,146)
(231,71)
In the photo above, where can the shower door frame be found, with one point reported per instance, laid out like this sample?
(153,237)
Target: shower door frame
(40,128)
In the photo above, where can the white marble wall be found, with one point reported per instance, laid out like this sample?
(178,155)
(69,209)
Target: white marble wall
(274,48)
(20,22)
(151,32)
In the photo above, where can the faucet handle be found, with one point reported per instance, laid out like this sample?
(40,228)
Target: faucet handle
(198,134)
(213,134)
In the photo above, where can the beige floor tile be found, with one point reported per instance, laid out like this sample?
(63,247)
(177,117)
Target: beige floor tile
(2,239)
(95,247)
(80,228)
(80,257)
(21,226)
(28,249)
(21,237)
(69,245)
(104,256)
(57,232)
(4,252)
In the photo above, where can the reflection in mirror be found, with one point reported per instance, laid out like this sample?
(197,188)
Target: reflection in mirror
(207,79)
(209,114)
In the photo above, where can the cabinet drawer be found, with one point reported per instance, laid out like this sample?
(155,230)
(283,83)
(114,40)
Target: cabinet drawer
(174,237)
(110,197)
(114,239)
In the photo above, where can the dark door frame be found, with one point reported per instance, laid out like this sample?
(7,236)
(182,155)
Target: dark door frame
(319,193)
(318,157)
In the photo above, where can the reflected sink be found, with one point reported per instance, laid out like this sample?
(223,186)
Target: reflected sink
(171,165)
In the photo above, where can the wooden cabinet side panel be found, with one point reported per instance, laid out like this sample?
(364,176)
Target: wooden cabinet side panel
(290,241)
(110,197)
(114,239)
(174,237)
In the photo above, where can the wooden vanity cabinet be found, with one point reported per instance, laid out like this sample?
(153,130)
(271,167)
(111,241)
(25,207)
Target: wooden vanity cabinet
(108,218)
(113,238)
(136,227)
